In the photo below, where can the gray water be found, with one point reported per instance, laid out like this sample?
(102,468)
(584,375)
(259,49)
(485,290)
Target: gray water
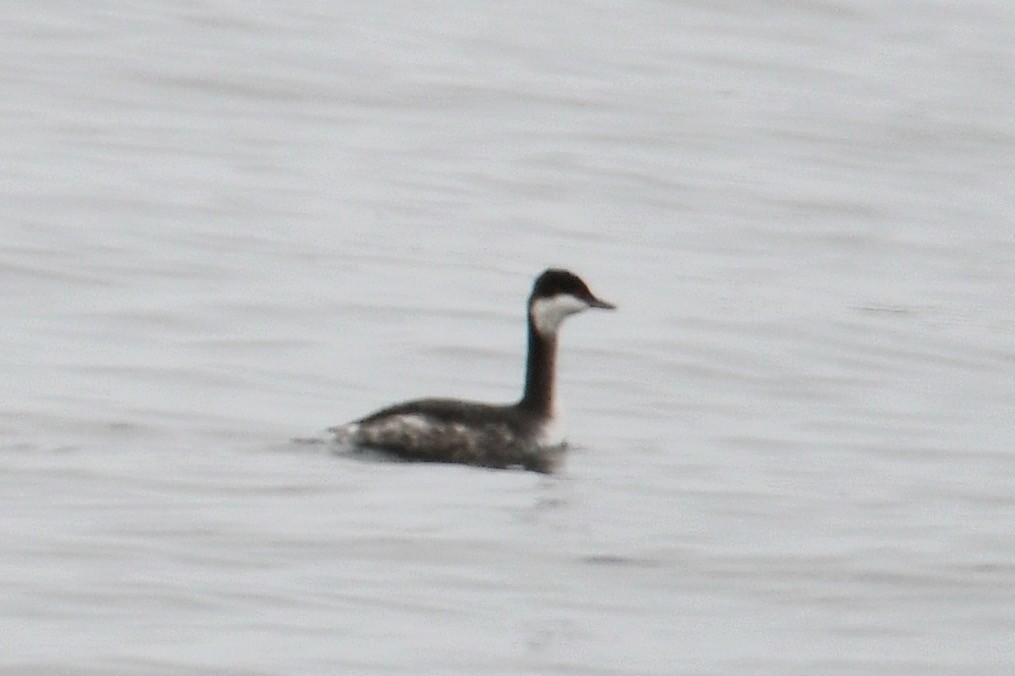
(227,226)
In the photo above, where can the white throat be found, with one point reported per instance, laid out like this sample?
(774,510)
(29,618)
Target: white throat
(549,313)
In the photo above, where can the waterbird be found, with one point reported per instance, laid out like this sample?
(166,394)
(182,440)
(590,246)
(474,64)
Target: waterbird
(526,434)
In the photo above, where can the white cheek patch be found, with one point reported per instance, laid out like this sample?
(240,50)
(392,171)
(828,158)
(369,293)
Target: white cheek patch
(548,313)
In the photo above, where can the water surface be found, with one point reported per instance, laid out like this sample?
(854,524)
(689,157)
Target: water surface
(224,230)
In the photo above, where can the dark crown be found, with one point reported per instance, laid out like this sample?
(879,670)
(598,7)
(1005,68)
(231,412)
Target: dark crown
(554,282)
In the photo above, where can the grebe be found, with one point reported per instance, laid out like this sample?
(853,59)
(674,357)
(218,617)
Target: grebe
(526,434)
